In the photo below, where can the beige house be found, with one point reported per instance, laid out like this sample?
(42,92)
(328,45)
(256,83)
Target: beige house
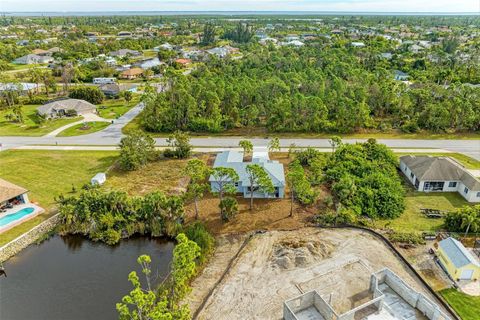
(10,192)
(61,108)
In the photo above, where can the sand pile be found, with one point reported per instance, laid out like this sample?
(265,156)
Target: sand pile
(295,253)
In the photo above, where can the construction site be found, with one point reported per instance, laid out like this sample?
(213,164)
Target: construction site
(279,274)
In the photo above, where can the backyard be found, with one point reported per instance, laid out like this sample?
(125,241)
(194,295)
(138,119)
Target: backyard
(29,127)
(48,174)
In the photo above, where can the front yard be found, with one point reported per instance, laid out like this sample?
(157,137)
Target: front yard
(29,127)
(48,174)
(83,128)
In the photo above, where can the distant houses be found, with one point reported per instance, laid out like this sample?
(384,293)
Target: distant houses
(114,89)
(440,174)
(124,53)
(131,74)
(33,59)
(400,75)
(234,159)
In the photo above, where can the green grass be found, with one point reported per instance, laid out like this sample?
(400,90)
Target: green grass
(467,161)
(412,220)
(467,307)
(29,127)
(48,174)
(114,108)
(83,128)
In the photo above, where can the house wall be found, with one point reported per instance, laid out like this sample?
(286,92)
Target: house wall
(453,271)
(407,172)
(471,196)
(263,195)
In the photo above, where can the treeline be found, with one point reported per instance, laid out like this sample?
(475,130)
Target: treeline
(109,216)
(312,89)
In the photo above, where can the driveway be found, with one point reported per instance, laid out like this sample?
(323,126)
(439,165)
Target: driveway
(89,117)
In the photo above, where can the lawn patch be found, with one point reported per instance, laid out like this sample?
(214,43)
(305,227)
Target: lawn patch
(467,307)
(115,108)
(83,128)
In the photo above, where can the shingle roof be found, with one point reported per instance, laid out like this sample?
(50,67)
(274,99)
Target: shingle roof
(440,168)
(457,253)
(9,190)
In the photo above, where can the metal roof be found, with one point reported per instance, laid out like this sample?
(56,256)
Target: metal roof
(457,253)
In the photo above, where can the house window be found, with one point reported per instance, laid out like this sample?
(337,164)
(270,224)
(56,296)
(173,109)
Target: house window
(433,186)
(236,184)
(465,190)
(478,194)
(411,175)
(452,184)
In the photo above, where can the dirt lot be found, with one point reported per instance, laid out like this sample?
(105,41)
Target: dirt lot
(279,265)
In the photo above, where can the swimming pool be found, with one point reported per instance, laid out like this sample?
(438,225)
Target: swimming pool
(9,218)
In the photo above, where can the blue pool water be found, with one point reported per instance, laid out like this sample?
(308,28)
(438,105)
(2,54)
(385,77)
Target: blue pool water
(15,216)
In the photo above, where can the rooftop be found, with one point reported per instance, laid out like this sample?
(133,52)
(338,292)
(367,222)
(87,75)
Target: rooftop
(9,190)
(457,253)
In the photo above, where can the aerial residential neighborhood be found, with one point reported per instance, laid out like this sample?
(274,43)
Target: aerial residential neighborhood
(261,159)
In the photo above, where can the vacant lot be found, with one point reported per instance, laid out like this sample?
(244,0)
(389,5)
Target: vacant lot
(278,265)
(48,174)
(163,175)
(29,127)
(114,108)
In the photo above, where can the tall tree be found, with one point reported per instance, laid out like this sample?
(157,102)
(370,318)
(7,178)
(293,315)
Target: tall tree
(274,145)
(224,182)
(136,149)
(180,145)
(208,35)
(198,172)
(300,187)
(246,145)
(259,181)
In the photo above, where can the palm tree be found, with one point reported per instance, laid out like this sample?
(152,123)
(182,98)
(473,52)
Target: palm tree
(469,220)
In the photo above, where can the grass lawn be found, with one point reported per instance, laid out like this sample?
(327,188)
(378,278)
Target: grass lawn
(468,162)
(47,174)
(29,127)
(83,128)
(412,220)
(114,108)
(467,307)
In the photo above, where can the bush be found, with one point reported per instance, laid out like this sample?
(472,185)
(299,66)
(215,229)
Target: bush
(406,237)
(198,232)
(136,150)
(229,208)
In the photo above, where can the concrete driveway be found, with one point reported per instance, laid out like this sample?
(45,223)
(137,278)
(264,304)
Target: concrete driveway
(89,117)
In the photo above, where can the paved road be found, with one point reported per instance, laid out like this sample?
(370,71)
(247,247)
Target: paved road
(111,136)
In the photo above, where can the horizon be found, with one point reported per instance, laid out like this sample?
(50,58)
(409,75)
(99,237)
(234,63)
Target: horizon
(248,6)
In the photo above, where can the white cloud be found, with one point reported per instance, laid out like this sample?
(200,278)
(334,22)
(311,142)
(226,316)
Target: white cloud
(243,5)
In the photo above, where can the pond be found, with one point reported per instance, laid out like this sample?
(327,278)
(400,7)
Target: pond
(71,278)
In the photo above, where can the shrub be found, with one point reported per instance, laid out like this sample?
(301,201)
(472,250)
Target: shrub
(229,208)
(406,237)
(199,233)
(90,94)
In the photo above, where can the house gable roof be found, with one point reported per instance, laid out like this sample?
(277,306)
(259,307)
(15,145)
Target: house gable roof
(457,253)
(67,104)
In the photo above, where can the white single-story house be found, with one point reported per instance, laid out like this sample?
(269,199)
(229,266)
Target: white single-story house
(61,108)
(99,179)
(124,53)
(234,159)
(22,87)
(33,59)
(440,174)
(11,193)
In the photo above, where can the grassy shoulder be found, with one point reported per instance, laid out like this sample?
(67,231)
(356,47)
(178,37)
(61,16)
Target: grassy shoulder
(83,128)
(29,127)
(262,132)
(115,108)
(467,307)
(47,174)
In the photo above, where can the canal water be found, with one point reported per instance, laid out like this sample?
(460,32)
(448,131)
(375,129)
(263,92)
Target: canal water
(70,278)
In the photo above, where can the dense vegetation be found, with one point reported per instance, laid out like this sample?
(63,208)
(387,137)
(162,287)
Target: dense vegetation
(364,179)
(323,88)
(111,215)
(466,219)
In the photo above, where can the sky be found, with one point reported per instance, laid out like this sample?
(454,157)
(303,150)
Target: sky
(242,5)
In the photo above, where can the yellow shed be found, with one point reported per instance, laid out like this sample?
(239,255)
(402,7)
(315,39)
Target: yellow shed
(458,261)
